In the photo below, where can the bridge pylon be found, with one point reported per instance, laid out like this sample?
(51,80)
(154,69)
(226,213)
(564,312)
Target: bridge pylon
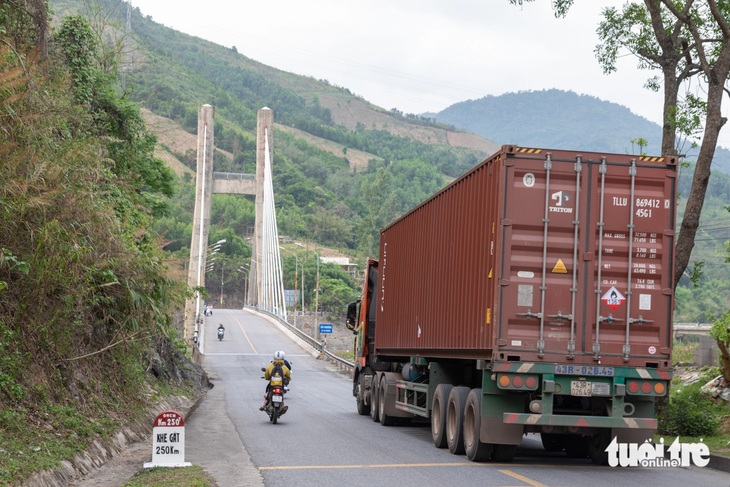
(266,288)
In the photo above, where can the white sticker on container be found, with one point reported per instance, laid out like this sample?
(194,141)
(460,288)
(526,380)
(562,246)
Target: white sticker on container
(645,301)
(652,350)
(524,295)
(516,343)
(528,180)
(526,274)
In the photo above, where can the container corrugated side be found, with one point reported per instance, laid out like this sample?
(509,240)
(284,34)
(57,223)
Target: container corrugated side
(535,254)
(436,291)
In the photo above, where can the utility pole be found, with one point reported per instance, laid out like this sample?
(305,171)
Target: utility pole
(223,265)
(316,301)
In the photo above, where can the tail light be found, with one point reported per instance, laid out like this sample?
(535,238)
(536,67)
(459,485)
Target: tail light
(517,382)
(646,388)
(276,390)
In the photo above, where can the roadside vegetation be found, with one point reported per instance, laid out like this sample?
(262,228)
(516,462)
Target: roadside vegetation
(87,338)
(193,476)
(691,413)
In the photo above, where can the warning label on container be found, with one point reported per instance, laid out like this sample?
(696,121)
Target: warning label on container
(613,298)
(560,268)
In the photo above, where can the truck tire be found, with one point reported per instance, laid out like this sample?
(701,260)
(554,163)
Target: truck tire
(504,453)
(362,408)
(576,446)
(385,419)
(455,420)
(438,414)
(552,442)
(597,445)
(475,450)
(374,399)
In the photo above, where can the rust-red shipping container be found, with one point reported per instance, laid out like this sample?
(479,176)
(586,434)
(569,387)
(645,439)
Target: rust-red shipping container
(536,255)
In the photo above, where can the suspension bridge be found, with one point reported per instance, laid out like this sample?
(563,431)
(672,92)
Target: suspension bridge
(266,284)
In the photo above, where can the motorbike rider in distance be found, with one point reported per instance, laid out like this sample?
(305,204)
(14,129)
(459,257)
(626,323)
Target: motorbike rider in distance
(221,331)
(270,376)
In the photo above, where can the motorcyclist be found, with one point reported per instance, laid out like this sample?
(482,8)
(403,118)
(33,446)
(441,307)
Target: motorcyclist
(221,327)
(278,360)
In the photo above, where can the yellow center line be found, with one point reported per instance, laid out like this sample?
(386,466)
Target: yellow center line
(531,482)
(245,335)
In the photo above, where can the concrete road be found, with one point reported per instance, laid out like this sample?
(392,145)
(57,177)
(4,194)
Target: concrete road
(323,441)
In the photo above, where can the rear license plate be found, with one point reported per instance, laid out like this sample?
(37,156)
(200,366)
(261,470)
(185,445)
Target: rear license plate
(581,388)
(277,398)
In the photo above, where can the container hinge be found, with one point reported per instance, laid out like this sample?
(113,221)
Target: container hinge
(530,314)
(639,320)
(626,349)
(597,351)
(571,349)
(540,348)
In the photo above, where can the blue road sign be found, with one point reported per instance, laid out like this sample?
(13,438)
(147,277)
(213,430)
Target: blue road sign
(325,328)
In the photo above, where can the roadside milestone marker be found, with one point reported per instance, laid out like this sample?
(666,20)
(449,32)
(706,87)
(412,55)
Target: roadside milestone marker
(168,441)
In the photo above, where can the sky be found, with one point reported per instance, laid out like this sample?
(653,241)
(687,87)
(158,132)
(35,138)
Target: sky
(421,55)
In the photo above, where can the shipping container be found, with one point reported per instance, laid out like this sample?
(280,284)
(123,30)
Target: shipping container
(536,255)
(541,283)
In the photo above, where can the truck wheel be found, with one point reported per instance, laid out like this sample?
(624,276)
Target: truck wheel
(576,446)
(385,419)
(455,420)
(597,445)
(504,453)
(551,442)
(475,450)
(362,408)
(374,400)
(438,414)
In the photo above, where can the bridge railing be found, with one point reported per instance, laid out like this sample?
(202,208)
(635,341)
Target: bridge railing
(319,346)
(233,175)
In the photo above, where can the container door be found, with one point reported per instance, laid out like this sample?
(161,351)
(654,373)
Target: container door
(631,267)
(586,238)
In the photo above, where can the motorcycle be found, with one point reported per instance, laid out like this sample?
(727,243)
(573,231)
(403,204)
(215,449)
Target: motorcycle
(275,399)
(220,334)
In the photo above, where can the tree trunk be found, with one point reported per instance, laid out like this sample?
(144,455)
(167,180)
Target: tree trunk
(724,360)
(696,198)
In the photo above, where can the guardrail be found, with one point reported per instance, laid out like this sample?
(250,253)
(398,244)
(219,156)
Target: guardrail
(319,346)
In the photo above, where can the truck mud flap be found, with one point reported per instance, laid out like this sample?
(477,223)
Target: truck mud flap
(495,431)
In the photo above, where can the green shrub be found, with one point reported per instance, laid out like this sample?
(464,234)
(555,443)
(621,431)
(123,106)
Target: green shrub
(689,412)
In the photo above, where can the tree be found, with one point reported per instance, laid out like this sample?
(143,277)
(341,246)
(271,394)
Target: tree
(721,333)
(684,40)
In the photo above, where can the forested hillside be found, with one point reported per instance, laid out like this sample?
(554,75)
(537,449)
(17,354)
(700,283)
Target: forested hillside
(88,303)
(397,159)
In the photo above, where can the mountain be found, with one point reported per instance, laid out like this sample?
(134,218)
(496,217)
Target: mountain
(557,118)
(345,168)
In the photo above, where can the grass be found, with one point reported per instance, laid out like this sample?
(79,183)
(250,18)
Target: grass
(35,440)
(193,476)
(683,352)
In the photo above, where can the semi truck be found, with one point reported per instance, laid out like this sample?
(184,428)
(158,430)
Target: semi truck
(533,294)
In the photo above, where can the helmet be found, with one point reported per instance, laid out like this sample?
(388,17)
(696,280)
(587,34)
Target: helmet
(279,355)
